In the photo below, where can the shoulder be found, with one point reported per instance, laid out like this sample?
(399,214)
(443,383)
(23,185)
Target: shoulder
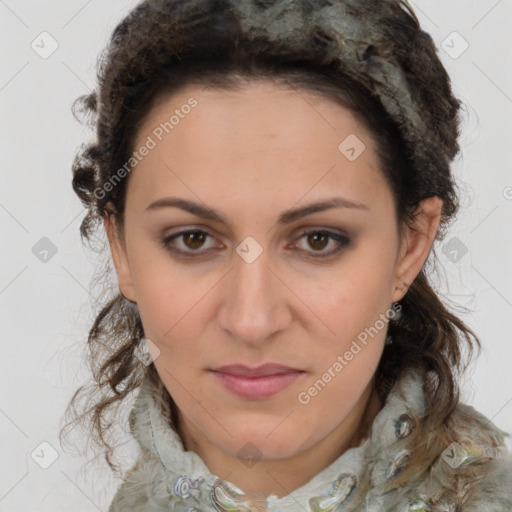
(417,462)
(143,489)
(493,492)
(475,466)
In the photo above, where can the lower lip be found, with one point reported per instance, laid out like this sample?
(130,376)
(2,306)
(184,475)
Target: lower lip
(257,387)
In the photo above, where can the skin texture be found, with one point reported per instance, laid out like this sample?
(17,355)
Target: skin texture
(251,154)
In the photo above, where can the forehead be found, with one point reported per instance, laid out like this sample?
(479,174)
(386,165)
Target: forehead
(259,138)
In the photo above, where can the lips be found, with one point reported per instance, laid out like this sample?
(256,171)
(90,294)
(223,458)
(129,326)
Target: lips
(257,383)
(259,371)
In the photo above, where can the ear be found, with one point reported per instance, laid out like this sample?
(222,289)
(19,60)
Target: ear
(417,244)
(118,251)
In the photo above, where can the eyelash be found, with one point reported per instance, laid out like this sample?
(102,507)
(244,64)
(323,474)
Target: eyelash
(343,240)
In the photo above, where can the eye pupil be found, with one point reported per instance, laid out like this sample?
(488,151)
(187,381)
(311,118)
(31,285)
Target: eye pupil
(194,236)
(315,236)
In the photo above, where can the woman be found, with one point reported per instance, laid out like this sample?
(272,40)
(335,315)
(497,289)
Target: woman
(271,176)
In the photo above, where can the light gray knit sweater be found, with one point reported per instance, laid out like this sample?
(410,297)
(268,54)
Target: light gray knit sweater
(400,467)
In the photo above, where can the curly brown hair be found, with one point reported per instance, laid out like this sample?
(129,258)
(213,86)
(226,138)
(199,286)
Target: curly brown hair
(340,49)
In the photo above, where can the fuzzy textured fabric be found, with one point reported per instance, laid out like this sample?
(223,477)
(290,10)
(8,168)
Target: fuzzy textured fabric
(403,465)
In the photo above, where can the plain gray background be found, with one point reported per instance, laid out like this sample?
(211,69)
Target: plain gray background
(46,309)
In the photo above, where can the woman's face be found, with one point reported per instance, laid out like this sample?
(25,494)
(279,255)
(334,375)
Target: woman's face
(268,278)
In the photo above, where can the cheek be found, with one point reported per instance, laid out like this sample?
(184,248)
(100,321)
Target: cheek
(169,301)
(353,307)
(350,297)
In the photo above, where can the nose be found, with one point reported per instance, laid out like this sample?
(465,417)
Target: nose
(254,305)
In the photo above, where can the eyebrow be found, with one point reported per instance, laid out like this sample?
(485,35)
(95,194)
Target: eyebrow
(286,217)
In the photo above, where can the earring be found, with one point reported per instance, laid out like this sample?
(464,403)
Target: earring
(397,311)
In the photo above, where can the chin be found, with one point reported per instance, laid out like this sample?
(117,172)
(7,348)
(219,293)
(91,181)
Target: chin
(259,444)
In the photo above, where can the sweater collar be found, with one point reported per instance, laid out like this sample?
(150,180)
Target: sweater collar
(346,480)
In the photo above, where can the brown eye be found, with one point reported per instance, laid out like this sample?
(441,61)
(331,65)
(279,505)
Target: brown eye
(194,239)
(318,240)
(191,241)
